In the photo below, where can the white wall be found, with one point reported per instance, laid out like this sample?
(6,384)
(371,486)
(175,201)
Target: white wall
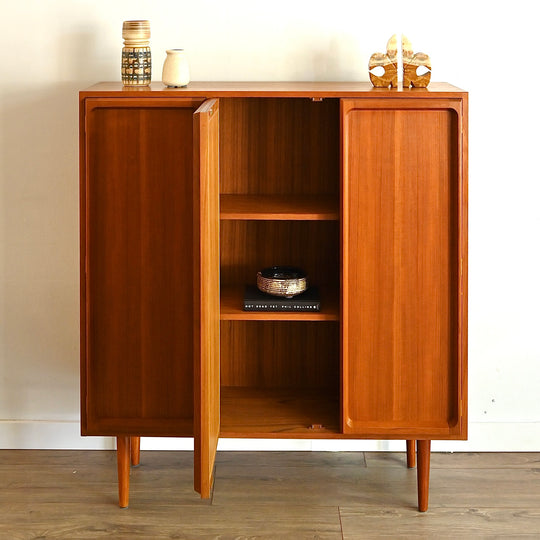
(52,49)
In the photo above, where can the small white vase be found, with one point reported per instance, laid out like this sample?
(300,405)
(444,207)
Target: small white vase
(175,68)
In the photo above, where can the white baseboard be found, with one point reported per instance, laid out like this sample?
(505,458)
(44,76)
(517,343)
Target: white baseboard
(483,437)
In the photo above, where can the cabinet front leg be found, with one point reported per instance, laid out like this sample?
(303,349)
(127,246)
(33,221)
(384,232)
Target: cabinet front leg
(411,454)
(135,443)
(123,459)
(424,449)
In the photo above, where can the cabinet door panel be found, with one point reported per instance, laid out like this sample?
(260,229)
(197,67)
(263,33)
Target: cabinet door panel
(402,305)
(137,289)
(206,257)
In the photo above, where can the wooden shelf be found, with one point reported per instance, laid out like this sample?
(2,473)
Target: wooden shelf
(262,412)
(232,309)
(279,207)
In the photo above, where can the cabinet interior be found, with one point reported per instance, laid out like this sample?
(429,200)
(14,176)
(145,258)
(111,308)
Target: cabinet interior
(279,191)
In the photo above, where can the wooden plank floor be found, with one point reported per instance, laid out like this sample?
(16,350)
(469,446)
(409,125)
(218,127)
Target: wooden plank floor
(73,494)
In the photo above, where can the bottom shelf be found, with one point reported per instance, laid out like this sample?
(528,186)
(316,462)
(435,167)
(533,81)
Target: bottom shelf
(294,413)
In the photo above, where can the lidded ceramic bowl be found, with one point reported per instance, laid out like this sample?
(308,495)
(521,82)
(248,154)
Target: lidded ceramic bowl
(286,281)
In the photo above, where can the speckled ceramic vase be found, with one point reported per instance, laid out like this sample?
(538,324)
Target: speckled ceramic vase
(175,68)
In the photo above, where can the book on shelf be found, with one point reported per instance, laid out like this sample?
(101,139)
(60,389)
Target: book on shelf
(256,300)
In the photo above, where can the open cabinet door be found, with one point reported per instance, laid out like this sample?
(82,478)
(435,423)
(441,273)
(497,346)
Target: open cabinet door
(206,286)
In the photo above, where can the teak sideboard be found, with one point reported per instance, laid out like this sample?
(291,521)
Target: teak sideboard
(186,193)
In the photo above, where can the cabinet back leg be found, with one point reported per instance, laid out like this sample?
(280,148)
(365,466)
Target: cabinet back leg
(424,449)
(411,454)
(123,459)
(135,443)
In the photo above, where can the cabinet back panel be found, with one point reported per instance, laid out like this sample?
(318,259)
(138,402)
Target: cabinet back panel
(279,146)
(274,354)
(401,366)
(139,190)
(249,246)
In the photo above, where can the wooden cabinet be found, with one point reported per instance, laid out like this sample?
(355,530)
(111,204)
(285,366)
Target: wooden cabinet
(186,193)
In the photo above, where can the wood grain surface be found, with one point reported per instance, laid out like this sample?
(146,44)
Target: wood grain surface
(402,351)
(123,454)
(137,359)
(250,246)
(394,252)
(232,301)
(263,495)
(276,412)
(279,146)
(279,207)
(206,291)
(280,354)
(389,62)
(311,89)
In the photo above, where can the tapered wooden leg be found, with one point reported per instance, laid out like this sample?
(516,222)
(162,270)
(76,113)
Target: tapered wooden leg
(135,443)
(123,458)
(424,449)
(411,454)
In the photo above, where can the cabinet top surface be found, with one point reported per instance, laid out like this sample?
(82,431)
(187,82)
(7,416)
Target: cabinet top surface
(270,89)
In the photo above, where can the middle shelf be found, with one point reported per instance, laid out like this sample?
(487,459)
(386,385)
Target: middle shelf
(232,308)
(279,207)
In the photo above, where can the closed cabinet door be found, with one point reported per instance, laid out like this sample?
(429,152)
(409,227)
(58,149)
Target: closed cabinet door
(404,268)
(139,267)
